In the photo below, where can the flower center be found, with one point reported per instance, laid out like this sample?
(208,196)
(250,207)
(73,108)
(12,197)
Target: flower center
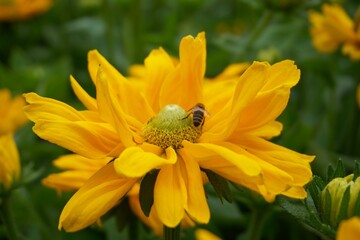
(170,127)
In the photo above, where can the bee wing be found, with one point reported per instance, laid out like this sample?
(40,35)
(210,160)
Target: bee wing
(206,113)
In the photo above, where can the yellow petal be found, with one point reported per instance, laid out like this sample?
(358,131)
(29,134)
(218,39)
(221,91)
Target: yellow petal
(184,85)
(275,179)
(264,109)
(295,164)
(330,28)
(202,234)
(352,49)
(196,205)
(42,108)
(282,74)
(263,191)
(76,170)
(320,37)
(135,162)
(88,101)
(126,95)
(337,22)
(170,195)
(222,123)
(158,66)
(349,229)
(21,10)
(296,192)
(67,181)
(95,59)
(9,160)
(224,161)
(109,107)
(90,139)
(78,162)
(248,85)
(216,95)
(11,112)
(96,197)
(268,131)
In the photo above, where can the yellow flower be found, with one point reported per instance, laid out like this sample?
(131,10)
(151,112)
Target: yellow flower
(349,229)
(21,9)
(332,28)
(148,131)
(11,112)
(11,117)
(9,161)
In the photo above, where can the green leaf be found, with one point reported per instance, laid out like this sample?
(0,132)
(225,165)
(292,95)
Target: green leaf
(319,182)
(330,173)
(295,207)
(146,194)
(305,212)
(356,210)
(327,207)
(356,170)
(220,185)
(339,170)
(315,187)
(343,212)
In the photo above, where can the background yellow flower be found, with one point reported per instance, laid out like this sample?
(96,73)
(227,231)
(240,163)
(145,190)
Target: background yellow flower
(9,161)
(11,113)
(349,229)
(11,117)
(332,28)
(11,10)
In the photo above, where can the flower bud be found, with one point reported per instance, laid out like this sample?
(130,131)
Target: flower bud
(340,200)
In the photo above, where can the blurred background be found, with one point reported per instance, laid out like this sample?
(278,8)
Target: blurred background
(39,51)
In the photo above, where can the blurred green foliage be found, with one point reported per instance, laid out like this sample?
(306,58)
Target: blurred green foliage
(322,117)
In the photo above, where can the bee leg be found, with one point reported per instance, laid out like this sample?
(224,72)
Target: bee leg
(111,160)
(186,116)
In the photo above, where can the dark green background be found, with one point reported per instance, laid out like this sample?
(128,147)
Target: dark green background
(321,119)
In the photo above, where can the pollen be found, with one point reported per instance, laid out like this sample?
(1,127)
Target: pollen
(170,127)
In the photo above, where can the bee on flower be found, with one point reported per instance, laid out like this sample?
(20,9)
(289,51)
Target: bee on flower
(144,127)
(199,113)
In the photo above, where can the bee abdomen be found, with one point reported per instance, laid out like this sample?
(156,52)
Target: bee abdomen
(198,119)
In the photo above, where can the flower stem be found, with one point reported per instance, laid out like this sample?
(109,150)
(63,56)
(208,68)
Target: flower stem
(133,228)
(257,222)
(8,218)
(172,233)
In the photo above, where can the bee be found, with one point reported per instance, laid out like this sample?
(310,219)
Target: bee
(199,113)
